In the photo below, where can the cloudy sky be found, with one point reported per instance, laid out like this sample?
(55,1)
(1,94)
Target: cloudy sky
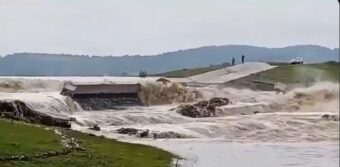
(120,27)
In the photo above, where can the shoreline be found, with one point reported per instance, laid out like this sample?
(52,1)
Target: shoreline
(43,149)
(193,152)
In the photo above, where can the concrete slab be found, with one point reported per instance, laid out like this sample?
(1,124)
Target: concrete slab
(231,73)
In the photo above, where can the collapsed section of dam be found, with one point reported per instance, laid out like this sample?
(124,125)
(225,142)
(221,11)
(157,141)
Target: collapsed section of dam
(103,96)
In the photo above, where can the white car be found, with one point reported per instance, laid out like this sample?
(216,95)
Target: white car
(296,60)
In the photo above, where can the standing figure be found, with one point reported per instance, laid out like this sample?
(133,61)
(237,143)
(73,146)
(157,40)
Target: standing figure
(233,61)
(242,58)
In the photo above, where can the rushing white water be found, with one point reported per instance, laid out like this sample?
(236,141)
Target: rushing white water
(287,131)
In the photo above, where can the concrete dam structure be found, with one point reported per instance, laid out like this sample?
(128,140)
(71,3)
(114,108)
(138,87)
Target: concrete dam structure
(103,96)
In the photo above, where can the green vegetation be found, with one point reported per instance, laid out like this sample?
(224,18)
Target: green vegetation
(307,73)
(188,72)
(284,73)
(20,138)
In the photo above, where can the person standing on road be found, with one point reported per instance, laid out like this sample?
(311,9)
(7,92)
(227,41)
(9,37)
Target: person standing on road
(242,58)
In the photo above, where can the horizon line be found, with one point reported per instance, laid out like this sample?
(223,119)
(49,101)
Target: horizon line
(166,52)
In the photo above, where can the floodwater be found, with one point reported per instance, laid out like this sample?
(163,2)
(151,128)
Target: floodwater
(287,131)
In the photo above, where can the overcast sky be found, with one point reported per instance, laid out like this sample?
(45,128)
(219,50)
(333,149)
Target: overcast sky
(120,27)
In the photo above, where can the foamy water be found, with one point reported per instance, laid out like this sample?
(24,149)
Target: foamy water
(287,131)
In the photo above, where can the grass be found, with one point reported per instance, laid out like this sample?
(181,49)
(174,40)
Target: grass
(284,73)
(99,151)
(307,73)
(18,138)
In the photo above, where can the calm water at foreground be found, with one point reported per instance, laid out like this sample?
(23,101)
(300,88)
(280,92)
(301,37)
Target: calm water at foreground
(222,153)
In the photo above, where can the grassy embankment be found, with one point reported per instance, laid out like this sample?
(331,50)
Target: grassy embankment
(284,73)
(307,73)
(17,138)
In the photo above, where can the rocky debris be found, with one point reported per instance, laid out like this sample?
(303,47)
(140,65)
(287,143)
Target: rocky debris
(132,131)
(73,119)
(51,154)
(325,116)
(47,154)
(15,158)
(56,131)
(146,133)
(95,127)
(219,101)
(70,143)
(143,134)
(166,135)
(205,108)
(256,112)
(129,131)
(18,110)
(330,117)
(193,111)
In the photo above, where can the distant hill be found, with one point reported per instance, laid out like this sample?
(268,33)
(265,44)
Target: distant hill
(63,64)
